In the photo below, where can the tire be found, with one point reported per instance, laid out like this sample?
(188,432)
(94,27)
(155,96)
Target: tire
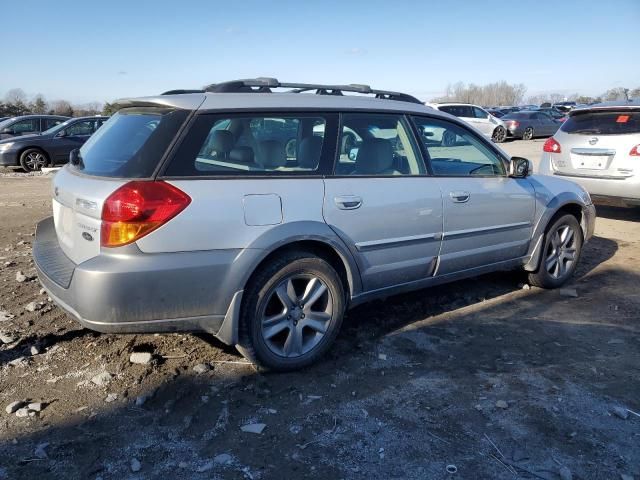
(275,333)
(448,138)
(560,253)
(528,133)
(499,135)
(33,159)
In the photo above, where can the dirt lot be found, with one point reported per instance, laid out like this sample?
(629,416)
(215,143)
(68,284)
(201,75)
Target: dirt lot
(483,377)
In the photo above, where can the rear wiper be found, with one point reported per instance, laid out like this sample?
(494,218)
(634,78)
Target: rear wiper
(591,131)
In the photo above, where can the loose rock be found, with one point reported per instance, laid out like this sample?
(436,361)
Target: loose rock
(112,397)
(102,379)
(136,466)
(22,412)
(621,412)
(13,406)
(569,292)
(5,316)
(20,277)
(256,428)
(32,307)
(201,368)
(36,406)
(6,338)
(140,358)
(223,459)
(35,350)
(502,404)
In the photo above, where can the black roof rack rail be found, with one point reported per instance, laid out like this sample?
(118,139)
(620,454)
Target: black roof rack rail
(265,85)
(181,91)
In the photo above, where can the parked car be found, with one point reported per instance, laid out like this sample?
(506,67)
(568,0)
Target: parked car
(32,152)
(599,148)
(506,109)
(553,113)
(173,217)
(28,125)
(489,125)
(496,113)
(2,119)
(528,107)
(564,106)
(527,125)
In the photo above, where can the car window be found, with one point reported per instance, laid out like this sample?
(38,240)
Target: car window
(455,151)
(377,145)
(251,144)
(23,126)
(479,113)
(458,110)
(52,122)
(80,128)
(603,123)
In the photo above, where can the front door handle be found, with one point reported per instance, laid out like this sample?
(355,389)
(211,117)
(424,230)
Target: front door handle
(348,202)
(460,197)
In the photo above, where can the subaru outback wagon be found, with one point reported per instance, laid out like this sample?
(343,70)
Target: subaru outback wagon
(188,211)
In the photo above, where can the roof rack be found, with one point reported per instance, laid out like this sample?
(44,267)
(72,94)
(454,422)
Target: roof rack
(266,85)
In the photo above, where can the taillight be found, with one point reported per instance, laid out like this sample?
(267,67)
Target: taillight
(137,208)
(551,146)
(512,124)
(635,151)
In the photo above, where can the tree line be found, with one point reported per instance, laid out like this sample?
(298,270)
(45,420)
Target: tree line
(503,93)
(16,103)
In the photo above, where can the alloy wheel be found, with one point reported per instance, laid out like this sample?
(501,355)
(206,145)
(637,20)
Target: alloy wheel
(35,161)
(297,315)
(561,252)
(499,135)
(528,134)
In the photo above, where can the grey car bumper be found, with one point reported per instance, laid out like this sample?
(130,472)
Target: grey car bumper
(137,292)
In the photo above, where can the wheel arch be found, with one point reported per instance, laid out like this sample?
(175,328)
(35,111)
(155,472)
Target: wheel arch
(568,202)
(34,147)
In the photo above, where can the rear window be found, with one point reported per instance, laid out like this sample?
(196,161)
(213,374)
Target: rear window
(603,123)
(131,143)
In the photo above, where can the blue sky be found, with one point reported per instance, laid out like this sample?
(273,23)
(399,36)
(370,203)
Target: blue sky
(85,50)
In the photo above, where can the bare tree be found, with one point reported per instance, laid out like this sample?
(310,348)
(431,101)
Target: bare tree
(499,93)
(62,107)
(15,95)
(38,105)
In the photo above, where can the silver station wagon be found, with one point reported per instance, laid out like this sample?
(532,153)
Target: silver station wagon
(261,216)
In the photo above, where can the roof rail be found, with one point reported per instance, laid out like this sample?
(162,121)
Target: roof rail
(265,85)
(180,92)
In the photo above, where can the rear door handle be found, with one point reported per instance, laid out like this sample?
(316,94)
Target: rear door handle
(348,202)
(460,197)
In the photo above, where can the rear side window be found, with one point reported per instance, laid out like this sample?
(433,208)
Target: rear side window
(458,110)
(251,144)
(603,123)
(131,143)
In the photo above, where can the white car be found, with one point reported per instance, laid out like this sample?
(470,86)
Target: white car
(476,116)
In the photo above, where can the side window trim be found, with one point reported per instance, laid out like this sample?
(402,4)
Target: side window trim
(486,143)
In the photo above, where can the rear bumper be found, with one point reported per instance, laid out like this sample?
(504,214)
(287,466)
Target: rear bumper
(129,291)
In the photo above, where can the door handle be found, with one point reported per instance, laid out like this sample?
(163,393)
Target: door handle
(460,197)
(348,202)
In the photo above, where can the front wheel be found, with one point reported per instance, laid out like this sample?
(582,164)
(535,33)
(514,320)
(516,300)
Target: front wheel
(560,254)
(499,135)
(292,312)
(33,159)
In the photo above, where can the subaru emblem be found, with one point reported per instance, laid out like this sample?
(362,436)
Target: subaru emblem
(87,236)
(593,141)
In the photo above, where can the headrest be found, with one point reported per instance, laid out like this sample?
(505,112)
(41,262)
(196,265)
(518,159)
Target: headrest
(375,155)
(222,141)
(309,152)
(271,154)
(241,155)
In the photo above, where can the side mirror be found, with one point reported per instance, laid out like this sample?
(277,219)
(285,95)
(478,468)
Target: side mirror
(520,167)
(74,156)
(61,134)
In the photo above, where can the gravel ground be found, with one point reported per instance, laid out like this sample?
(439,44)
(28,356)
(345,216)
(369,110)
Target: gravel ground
(483,377)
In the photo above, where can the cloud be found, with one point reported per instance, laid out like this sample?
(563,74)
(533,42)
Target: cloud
(357,51)
(121,72)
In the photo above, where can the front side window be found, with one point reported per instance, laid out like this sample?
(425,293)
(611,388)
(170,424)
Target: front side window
(456,152)
(479,113)
(52,122)
(377,144)
(80,129)
(252,144)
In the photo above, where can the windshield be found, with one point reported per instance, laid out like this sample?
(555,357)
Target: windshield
(603,123)
(4,124)
(131,143)
(56,128)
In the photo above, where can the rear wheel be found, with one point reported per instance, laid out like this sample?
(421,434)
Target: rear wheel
(33,159)
(292,312)
(528,133)
(499,135)
(560,254)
